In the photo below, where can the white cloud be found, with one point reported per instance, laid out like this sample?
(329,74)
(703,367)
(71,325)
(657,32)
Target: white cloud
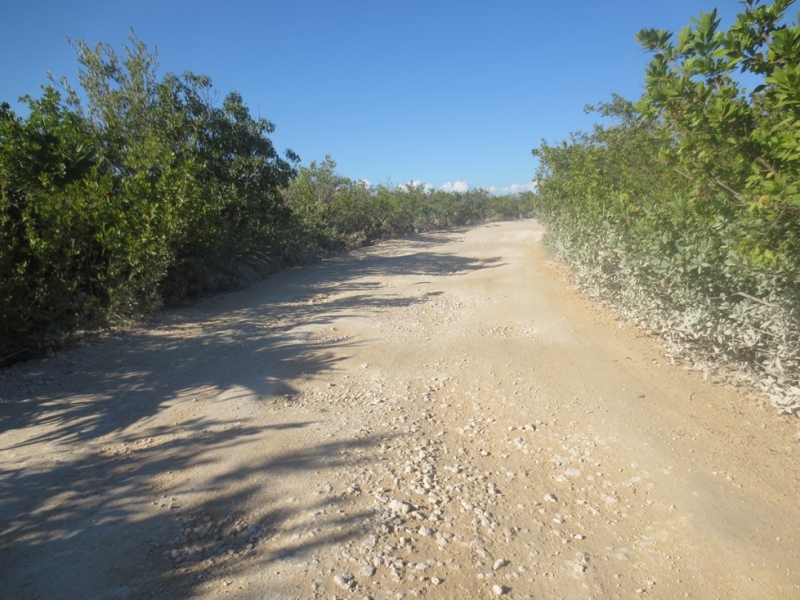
(458,186)
(365,182)
(516,188)
(416,184)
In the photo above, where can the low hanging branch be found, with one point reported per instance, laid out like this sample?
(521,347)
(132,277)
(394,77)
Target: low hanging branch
(754,299)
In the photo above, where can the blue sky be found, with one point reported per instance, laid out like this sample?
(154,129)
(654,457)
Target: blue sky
(450,93)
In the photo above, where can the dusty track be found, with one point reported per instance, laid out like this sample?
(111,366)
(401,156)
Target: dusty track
(440,417)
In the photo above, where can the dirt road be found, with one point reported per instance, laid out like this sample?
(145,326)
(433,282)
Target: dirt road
(440,417)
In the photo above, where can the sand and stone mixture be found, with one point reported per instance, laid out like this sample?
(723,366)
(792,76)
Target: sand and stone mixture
(437,417)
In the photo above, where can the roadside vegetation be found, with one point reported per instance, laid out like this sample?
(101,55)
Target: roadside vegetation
(681,210)
(135,191)
(684,212)
(335,213)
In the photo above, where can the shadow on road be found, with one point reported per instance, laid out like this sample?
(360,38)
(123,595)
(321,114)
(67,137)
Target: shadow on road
(63,525)
(86,500)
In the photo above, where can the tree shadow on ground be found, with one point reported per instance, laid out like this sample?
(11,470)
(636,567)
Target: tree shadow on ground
(84,499)
(63,525)
(251,343)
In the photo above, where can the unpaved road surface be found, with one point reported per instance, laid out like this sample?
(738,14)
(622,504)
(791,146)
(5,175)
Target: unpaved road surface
(441,417)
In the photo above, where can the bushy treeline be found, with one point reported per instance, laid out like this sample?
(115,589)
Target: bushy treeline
(143,190)
(685,212)
(336,213)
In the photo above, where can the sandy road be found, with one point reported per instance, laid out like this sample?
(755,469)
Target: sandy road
(439,417)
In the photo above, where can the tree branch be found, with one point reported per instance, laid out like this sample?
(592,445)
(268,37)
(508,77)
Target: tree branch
(727,188)
(754,299)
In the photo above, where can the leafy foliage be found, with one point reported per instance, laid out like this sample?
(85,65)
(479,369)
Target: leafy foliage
(336,213)
(149,192)
(146,194)
(685,213)
(746,146)
(52,202)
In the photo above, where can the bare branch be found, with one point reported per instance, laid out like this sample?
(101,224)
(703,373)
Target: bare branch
(754,299)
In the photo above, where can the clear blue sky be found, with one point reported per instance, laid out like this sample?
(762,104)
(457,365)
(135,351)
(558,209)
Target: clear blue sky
(439,91)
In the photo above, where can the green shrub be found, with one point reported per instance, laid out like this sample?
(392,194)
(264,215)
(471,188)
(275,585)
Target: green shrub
(146,194)
(685,214)
(336,213)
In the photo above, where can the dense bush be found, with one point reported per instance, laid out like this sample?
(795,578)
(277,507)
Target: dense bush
(685,213)
(337,213)
(52,212)
(147,192)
